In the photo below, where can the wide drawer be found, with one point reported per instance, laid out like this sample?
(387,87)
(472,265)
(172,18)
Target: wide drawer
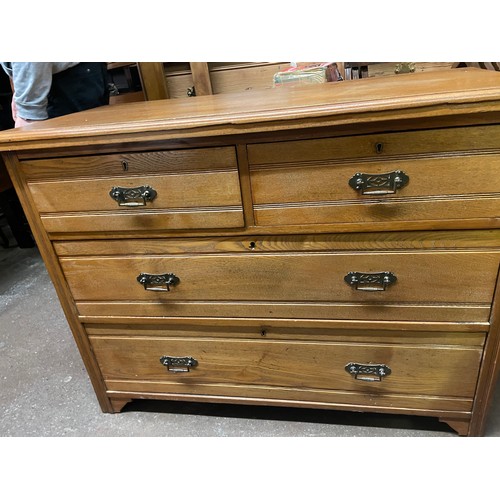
(449,174)
(323,371)
(183,189)
(294,285)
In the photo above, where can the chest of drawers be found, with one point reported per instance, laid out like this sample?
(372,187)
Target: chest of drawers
(334,246)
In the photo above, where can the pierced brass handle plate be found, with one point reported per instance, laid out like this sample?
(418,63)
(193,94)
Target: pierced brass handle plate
(368,372)
(370,282)
(158,282)
(133,197)
(379,184)
(177,364)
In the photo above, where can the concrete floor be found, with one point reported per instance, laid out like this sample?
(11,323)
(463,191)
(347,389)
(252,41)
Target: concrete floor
(45,390)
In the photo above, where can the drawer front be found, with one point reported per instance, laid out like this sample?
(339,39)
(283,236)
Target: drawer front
(301,281)
(449,371)
(417,176)
(377,146)
(138,191)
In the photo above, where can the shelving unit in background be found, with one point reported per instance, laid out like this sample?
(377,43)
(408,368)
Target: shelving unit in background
(136,81)
(356,70)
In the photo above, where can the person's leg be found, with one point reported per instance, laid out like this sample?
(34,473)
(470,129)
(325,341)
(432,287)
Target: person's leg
(81,87)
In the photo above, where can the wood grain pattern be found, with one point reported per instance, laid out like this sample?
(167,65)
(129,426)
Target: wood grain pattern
(255,217)
(464,91)
(195,189)
(422,277)
(243,78)
(438,188)
(153,82)
(442,141)
(446,407)
(143,222)
(189,190)
(201,78)
(313,325)
(137,164)
(436,371)
(472,314)
(443,177)
(428,212)
(395,240)
(490,369)
(254,330)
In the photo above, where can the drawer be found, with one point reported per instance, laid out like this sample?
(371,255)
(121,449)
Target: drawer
(186,189)
(416,177)
(421,285)
(325,371)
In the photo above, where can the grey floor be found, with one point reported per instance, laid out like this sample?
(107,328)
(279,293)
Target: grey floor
(45,391)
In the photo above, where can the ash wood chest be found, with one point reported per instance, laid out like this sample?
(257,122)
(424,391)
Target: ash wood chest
(334,246)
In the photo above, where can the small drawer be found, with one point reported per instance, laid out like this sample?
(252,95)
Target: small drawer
(414,177)
(324,371)
(360,285)
(186,189)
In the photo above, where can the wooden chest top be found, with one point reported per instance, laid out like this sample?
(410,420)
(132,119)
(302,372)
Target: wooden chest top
(442,93)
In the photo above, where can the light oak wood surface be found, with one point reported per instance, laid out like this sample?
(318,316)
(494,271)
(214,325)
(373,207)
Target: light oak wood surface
(435,371)
(425,95)
(421,277)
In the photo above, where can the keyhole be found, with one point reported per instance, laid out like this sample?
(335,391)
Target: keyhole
(263,332)
(252,245)
(125,165)
(378,147)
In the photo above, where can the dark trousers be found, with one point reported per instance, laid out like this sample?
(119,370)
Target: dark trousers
(81,87)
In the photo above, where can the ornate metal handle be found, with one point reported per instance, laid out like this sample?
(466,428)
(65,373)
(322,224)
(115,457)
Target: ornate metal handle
(158,282)
(133,197)
(368,372)
(178,364)
(370,282)
(379,184)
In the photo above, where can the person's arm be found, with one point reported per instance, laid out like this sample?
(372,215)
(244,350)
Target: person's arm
(31,82)
(18,121)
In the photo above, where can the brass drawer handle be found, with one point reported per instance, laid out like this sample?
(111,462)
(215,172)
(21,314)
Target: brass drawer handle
(370,282)
(133,197)
(368,372)
(379,184)
(158,282)
(178,364)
